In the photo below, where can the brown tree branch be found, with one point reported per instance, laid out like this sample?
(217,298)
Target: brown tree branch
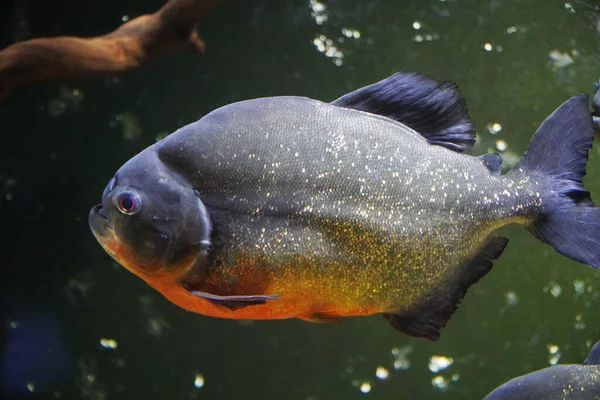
(125,49)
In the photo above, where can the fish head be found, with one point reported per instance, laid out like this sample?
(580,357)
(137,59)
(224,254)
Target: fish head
(151,220)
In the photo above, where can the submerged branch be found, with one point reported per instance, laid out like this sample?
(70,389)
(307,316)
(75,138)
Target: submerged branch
(128,47)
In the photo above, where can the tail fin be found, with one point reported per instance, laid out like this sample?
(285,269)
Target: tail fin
(569,221)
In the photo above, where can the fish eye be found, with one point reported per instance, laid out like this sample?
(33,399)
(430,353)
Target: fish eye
(128,203)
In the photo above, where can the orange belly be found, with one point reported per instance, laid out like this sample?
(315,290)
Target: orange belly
(302,294)
(298,304)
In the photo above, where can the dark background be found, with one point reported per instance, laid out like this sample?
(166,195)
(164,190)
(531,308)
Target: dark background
(61,141)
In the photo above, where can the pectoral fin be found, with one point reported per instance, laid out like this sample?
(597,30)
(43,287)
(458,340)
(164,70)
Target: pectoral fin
(235,302)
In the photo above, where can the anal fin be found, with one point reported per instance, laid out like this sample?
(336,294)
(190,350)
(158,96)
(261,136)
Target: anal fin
(235,302)
(433,313)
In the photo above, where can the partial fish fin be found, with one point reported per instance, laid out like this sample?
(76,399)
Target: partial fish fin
(328,317)
(596,99)
(493,162)
(557,156)
(235,302)
(596,122)
(434,109)
(431,315)
(594,357)
(596,108)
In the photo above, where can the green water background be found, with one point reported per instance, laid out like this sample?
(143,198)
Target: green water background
(63,140)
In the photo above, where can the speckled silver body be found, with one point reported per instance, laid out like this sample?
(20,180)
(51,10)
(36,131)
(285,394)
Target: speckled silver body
(338,202)
(569,382)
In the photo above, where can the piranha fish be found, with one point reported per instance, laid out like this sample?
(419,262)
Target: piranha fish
(565,382)
(287,207)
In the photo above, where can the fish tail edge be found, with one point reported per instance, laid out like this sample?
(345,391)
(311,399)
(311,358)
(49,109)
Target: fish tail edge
(568,219)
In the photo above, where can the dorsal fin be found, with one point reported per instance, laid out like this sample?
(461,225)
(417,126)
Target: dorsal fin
(594,357)
(493,162)
(433,109)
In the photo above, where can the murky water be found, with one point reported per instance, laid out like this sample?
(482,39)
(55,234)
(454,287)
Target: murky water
(101,333)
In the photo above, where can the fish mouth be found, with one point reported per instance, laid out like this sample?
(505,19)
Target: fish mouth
(122,253)
(102,230)
(98,221)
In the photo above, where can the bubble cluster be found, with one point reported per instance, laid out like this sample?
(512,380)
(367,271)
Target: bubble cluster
(351,33)
(382,373)
(318,12)
(129,124)
(580,288)
(110,344)
(439,363)
(511,299)
(401,361)
(501,145)
(554,354)
(569,7)
(198,381)
(365,387)
(326,46)
(560,59)
(494,128)
(554,289)
(68,99)
(440,383)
